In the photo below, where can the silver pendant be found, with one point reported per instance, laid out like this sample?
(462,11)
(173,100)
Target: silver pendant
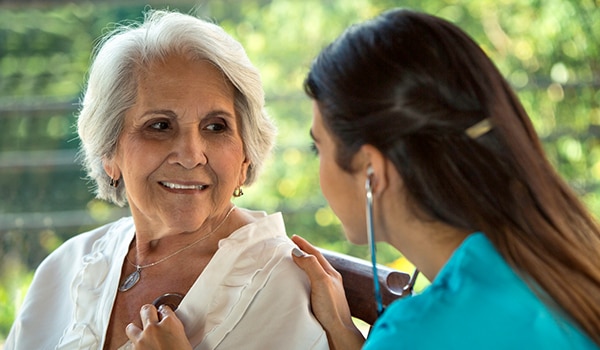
(130,281)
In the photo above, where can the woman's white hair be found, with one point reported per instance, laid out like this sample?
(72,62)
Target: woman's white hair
(112,88)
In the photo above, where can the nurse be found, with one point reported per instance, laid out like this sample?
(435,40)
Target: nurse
(423,145)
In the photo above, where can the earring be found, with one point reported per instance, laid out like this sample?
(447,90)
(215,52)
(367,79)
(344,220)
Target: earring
(113,182)
(238,192)
(371,238)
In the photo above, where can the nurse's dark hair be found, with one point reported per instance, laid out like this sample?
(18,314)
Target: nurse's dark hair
(410,84)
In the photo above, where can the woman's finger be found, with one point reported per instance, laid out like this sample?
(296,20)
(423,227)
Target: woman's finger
(319,271)
(306,247)
(133,332)
(166,314)
(149,315)
(311,266)
(304,244)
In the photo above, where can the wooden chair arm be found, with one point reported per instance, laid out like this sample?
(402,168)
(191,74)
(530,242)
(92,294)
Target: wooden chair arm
(358,284)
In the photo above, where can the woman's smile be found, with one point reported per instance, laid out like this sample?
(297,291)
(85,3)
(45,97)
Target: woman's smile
(182,186)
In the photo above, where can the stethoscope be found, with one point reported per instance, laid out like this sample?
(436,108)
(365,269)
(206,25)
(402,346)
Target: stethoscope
(408,289)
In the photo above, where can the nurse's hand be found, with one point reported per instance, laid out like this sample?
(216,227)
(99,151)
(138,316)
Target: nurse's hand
(328,300)
(162,330)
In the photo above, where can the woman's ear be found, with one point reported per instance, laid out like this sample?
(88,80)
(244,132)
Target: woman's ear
(244,171)
(375,165)
(111,169)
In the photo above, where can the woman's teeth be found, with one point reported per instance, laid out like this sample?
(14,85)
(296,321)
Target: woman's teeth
(182,187)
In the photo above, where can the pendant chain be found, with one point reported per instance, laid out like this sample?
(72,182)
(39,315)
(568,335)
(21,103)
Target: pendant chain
(140,267)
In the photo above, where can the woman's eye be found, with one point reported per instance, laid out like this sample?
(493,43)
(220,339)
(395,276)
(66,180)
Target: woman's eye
(162,125)
(314,149)
(216,127)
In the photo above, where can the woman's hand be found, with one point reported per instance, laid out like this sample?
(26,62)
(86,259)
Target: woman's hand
(162,330)
(328,300)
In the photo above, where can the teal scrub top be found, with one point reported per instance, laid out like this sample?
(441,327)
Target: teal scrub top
(477,301)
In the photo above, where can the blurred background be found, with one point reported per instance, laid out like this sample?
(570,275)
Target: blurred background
(547,49)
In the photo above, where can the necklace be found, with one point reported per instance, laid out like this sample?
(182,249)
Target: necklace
(135,276)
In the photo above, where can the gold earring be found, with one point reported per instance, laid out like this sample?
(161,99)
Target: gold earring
(114,183)
(238,192)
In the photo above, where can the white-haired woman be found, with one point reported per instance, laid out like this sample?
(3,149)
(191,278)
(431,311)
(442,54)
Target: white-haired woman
(172,124)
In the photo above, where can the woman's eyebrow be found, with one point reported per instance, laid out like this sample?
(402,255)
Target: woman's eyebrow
(172,114)
(221,112)
(312,136)
(166,112)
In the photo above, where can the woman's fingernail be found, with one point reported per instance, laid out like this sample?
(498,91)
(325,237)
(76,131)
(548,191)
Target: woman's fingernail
(298,253)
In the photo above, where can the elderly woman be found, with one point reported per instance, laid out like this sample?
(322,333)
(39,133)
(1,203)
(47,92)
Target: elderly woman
(172,123)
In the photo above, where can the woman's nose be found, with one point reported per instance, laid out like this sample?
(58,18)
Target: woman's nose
(189,150)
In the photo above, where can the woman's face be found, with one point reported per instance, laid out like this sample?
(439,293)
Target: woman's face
(180,153)
(344,191)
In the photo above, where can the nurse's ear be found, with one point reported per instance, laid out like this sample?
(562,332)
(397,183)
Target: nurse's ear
(373,164)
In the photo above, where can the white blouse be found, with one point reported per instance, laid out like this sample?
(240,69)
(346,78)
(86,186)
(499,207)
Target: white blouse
(251,295)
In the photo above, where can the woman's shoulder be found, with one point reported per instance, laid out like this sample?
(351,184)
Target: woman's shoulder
(263,231)
(263,245)
(475,326)
(477,298)
(83,243)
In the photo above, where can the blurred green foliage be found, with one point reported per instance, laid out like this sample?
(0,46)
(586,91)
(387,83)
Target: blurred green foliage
(547,49)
